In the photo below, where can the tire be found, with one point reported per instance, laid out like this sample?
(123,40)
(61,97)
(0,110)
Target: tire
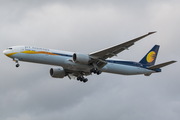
(17,65)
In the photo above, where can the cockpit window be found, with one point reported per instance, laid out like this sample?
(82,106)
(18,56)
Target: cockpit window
(9,48)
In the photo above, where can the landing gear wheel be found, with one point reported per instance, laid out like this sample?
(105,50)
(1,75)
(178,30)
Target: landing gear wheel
(95,71)
(78,78)
(82,79)
(17,65)
(92,70)
(85,80)
(99,72)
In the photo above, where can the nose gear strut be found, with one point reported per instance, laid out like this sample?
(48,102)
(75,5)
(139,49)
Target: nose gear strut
(17,62)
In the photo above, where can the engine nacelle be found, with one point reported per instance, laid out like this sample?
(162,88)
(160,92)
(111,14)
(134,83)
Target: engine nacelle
(57,72)
(81,58)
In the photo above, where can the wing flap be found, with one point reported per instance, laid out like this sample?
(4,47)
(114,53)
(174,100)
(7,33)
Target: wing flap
(161,65)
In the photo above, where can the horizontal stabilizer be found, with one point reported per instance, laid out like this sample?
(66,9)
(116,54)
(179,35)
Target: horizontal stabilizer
(153,67)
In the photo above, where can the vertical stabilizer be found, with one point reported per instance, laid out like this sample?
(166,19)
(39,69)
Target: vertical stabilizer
(150,58)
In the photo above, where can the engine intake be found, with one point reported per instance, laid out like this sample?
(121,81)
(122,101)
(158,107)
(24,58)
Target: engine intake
(57,72)
(81,58)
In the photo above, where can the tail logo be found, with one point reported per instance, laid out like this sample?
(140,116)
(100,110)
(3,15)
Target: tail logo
(151,56)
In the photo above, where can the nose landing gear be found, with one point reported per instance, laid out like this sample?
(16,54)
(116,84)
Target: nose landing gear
(17,65)
(17,62)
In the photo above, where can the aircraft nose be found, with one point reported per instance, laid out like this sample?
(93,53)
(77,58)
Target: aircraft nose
(5,52)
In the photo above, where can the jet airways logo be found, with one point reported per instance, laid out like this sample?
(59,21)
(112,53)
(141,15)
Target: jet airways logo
(151,56)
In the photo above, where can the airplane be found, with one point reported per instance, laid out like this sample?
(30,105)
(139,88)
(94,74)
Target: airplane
(78,65)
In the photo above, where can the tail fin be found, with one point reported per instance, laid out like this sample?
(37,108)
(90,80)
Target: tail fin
(150,58)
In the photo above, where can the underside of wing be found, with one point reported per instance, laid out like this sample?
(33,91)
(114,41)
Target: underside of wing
(114,50)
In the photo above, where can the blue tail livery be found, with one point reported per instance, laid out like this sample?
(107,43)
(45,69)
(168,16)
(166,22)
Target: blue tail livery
(150,58)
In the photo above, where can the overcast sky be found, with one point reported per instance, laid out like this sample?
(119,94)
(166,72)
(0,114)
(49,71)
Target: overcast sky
(29,93)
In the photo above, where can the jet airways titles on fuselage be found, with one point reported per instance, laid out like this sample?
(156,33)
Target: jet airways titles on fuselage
(35,48)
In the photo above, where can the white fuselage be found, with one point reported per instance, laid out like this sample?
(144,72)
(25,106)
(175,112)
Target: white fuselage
(64,59)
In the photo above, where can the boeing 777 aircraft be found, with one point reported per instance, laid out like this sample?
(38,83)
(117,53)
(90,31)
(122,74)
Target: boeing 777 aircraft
(78,65)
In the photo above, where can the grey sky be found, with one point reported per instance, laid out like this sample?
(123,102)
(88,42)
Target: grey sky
(29,93)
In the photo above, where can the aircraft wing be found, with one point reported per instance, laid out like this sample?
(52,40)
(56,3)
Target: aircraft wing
(114,50)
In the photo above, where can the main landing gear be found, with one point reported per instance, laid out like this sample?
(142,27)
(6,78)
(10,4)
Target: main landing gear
(17,63)
(82,79)
(95,71)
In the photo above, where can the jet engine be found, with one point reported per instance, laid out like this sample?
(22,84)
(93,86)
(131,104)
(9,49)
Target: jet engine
(57,72)
(81,58)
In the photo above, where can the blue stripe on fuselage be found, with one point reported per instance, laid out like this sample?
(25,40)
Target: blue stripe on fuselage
(130,63)
(66,55)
